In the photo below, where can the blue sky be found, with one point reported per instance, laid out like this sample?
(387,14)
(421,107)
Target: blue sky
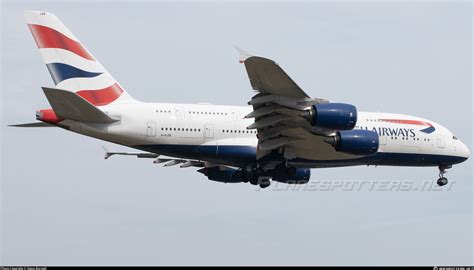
(63,204)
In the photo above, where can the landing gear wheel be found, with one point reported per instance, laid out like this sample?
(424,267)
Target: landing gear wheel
(250,178)
(248,169)
(265,183)
(253,179)
(442,181)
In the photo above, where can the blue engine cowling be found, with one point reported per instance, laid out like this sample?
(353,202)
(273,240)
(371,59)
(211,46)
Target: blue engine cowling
(291,175)
(357,142)
(335,116)
(224,175)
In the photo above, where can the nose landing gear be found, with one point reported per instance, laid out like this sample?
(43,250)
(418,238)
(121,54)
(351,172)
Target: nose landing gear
(442,181)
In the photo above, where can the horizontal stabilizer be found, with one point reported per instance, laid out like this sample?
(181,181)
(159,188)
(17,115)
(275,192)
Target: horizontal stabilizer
(68,105)
(37,124)
(108,154)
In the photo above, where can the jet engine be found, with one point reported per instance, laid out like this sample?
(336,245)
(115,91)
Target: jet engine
(291,175)
(218,174)
(357,142)
(335,116)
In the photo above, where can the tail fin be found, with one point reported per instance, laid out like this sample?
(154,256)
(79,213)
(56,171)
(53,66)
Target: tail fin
(70,64)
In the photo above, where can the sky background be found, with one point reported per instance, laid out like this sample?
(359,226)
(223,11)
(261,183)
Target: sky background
(63,204)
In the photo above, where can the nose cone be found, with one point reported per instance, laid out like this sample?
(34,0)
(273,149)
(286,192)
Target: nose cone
(465,153)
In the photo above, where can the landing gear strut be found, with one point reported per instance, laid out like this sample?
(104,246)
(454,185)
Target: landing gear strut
(251,173)
(442,181)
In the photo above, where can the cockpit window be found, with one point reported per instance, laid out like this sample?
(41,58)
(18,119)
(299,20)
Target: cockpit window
(454,137)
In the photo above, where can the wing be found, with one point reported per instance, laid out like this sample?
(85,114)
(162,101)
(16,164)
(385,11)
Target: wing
(267,77)
(280,109)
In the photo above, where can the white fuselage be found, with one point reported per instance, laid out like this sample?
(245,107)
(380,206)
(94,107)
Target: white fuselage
(177,129)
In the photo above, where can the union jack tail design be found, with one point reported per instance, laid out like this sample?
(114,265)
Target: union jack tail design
(70,64)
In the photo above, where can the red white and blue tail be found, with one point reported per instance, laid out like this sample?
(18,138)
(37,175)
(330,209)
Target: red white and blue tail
(70,64)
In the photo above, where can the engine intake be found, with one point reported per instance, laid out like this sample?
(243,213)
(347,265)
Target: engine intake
(335,116)
(357,142)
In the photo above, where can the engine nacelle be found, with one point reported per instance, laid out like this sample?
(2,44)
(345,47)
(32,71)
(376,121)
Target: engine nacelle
(224,175)
(335,116)
(291,175)
(357,142)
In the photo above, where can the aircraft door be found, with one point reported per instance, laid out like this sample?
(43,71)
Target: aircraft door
(440,141)
(208,131)
(235,115)
(179,114)
(150,130)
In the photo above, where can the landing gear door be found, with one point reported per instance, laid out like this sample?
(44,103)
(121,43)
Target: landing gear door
(208,131)
(440,141)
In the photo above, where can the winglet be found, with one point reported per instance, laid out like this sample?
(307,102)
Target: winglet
(243,55)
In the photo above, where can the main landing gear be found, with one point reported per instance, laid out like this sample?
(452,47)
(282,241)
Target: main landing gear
(442,181)
(254,175)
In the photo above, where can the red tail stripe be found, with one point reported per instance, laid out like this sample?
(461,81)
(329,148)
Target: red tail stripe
(102,96)
(408,122)
(46,37)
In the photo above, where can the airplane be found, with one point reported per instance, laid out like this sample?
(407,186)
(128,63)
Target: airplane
(279,136)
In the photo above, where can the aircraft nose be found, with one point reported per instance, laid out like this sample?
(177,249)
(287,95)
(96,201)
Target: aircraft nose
(465,151)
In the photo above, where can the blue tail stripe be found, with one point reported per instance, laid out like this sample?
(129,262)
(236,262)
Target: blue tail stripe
(61,72)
